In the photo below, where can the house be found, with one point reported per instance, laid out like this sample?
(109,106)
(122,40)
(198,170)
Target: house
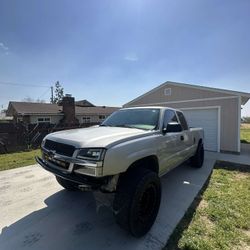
(218,111)
(4,118)
(68,112)
(84,103)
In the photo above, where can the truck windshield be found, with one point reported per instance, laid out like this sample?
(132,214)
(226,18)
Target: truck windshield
(146,119)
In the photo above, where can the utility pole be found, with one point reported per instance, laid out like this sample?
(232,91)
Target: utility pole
(52,98)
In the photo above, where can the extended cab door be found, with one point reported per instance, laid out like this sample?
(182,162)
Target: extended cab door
(186,137)
(170,144)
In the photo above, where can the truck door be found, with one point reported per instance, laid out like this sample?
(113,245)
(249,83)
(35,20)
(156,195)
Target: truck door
(170,144)
(186,137)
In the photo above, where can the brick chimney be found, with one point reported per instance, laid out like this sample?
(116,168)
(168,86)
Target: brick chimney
(68,108)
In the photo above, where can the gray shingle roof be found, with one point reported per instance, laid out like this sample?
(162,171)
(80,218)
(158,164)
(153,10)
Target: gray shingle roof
(84,103)
(29,108)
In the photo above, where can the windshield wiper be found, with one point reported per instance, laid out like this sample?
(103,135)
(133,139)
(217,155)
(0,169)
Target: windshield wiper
(127,126)
(123,126)
(120,126)
(104,125)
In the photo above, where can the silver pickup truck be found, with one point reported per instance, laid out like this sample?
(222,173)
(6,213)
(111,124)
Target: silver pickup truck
(127,154)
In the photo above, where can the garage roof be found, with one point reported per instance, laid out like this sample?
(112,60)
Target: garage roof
(244,96)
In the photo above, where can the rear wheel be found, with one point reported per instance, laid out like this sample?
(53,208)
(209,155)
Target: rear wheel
(69,185)
(137,201)
(198,159)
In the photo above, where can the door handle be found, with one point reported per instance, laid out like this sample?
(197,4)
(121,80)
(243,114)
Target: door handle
(182,138)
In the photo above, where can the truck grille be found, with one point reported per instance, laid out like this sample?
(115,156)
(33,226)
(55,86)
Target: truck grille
(58,163)
(60,148)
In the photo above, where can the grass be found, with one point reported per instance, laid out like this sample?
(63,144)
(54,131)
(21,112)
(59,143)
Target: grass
(20,159)
(245,133)
(219,218)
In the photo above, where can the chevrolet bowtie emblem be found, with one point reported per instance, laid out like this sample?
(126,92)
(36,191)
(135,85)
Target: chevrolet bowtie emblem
(51,153)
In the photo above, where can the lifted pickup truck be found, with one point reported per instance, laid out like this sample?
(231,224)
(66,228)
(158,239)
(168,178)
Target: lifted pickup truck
(126,155)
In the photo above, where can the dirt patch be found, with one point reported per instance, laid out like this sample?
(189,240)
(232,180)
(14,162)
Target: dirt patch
(241,176)
(208,223)
(246,232)
(245,125)
(243,246)
(203,204)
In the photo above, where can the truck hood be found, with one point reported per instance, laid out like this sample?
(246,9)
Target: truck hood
(102,137)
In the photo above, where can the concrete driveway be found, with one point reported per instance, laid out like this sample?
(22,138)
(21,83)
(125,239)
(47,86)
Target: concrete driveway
(36,213)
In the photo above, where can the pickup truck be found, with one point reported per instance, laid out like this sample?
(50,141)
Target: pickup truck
(126,155)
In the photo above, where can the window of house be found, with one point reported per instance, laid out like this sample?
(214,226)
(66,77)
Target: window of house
(167,91)
(102,117)
(19,119)
(43,119)
(86,119)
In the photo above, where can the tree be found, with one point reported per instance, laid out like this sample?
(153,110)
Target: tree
(58,93)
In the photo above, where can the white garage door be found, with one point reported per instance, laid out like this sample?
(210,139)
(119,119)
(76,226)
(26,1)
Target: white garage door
(208,120)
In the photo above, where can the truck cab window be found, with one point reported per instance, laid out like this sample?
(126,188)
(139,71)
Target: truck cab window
(169,116)
(182,120)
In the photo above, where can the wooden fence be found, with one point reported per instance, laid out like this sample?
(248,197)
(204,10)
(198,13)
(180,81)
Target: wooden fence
(15,137)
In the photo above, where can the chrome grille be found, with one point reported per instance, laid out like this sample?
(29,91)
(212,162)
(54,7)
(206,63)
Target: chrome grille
(59,148)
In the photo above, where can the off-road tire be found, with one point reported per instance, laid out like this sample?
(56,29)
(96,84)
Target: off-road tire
(137,201)
(198,159)
(69,185)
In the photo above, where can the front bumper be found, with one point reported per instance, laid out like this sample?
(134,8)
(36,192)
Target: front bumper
(68,164)
(74,176)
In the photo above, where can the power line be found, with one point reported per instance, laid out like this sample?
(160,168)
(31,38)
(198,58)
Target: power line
(21,84)
(47,90)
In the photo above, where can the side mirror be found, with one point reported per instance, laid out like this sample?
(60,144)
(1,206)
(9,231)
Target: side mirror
(172,127)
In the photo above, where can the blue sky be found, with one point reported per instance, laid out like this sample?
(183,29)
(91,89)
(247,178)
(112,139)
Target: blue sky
(111,51)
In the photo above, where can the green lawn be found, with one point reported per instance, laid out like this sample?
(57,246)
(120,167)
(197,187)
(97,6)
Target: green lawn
(222,218)
(20,159)
(245,134)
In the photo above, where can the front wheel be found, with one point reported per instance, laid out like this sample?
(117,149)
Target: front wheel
(137,201)
(198,159)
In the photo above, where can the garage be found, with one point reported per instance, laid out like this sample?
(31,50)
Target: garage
(206,118)
(217,111)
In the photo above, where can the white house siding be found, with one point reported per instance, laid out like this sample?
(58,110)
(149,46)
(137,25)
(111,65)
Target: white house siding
(54,119)
(93,118)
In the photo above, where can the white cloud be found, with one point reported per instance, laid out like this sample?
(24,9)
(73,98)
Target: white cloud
(4,48)
(131,57)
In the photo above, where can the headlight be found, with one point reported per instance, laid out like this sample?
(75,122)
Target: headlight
(43,142)
(94,154)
